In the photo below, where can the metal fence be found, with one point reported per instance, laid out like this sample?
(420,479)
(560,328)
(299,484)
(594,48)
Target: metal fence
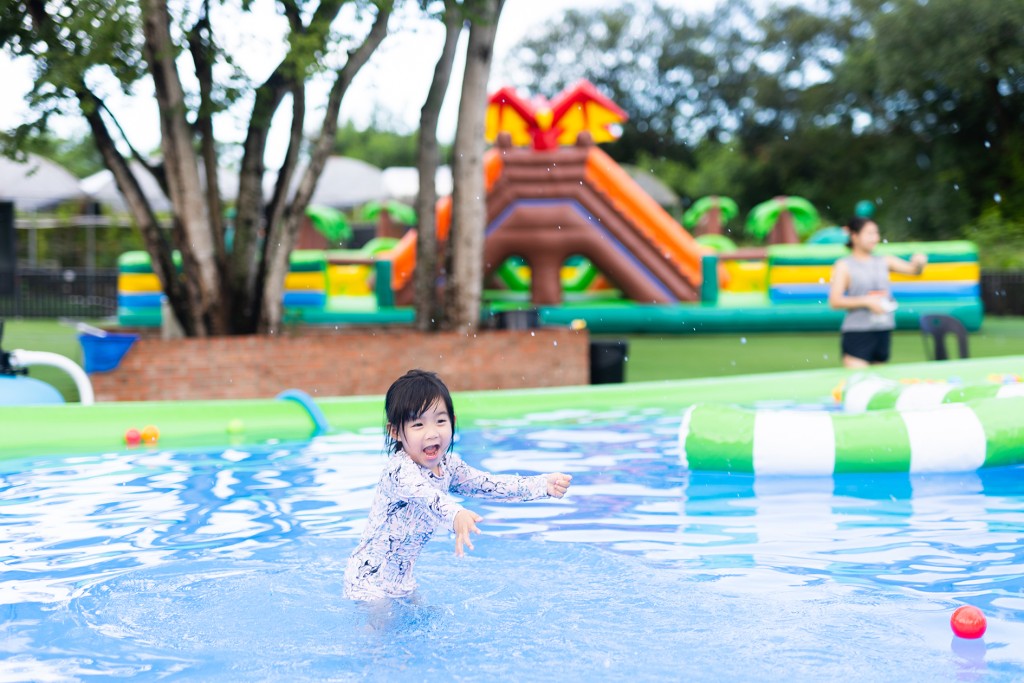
(1002,293)
(61,293)
(83,293)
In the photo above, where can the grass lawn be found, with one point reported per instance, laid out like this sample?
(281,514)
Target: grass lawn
(46,335)
(650,357)
(659,357)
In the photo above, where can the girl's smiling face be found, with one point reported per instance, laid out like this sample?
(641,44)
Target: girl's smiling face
(426,437)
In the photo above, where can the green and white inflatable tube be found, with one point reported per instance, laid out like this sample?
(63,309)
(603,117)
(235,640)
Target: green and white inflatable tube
(954,437)
(877,393)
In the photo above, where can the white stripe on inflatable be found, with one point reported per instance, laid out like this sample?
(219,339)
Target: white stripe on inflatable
(794,441)
(948,438)
(684,431)
(856,398)
(1008,390)
(922,395)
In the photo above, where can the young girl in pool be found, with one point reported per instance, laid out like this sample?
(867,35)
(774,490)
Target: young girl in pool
(413,496)
(860,286)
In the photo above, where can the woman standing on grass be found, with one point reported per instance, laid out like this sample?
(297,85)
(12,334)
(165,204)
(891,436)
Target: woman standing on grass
(860,286)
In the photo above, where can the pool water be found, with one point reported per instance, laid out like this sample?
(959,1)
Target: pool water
(227,565)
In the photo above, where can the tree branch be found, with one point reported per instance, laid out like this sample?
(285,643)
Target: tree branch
(276,268)
(202,48)
(249,218)
(425,277)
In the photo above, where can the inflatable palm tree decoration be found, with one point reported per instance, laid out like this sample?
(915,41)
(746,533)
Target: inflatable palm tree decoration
(708,215)
(395,210)
(330,223)
(782,220)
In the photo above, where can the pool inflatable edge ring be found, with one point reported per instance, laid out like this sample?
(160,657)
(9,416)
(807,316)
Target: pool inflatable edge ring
(953,437)
(877,393)
(684,430)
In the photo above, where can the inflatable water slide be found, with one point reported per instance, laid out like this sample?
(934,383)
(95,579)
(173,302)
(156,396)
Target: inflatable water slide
(563,197)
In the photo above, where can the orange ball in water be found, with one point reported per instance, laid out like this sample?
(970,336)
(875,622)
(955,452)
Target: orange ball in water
(132,437)
(968,622)
(150,434)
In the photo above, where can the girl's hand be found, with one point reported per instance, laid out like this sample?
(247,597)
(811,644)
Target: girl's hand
(558,484)
(878,304)
(465,522)
(919,261)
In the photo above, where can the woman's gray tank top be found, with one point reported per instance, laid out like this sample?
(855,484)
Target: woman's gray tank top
(866,276)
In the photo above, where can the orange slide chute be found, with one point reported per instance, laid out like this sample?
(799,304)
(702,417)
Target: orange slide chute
(403,254)
(646,215)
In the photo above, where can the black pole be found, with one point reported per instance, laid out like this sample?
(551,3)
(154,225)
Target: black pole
(8,249)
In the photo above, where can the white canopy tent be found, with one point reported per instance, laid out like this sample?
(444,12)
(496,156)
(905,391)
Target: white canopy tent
(402,183)
(37,183)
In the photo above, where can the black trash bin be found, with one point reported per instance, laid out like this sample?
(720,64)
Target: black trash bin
(608,361)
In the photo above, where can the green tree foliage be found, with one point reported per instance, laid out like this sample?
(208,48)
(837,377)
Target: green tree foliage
(382,148)
(82,50)
(916,104)
(77,154)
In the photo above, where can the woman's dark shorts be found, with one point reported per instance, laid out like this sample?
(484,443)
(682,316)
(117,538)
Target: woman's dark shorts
(871,346)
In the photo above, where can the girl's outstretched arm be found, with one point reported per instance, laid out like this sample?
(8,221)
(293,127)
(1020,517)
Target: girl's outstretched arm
(469,481)
(915,266)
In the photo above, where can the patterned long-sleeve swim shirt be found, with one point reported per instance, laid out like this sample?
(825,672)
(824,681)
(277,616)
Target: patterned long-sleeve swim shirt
(411,502)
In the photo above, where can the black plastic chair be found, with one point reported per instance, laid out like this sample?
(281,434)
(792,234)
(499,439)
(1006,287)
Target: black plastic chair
(937,326)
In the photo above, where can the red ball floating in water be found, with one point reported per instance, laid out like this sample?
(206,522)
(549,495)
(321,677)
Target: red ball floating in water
(968,622)
(132,437)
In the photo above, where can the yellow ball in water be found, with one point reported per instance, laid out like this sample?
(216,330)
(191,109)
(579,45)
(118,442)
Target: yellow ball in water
(150,434)
(236,426)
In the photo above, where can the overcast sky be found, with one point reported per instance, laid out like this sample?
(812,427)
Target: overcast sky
(391,87)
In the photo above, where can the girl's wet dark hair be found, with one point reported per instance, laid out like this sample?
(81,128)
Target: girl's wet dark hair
(854,226)
(409,397)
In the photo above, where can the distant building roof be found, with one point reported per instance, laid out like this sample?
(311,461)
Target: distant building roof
(344,184)
(652,185)
(102,188)
(36,184)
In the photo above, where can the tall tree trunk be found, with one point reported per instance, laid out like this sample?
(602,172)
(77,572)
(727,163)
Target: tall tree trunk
(198,256)
(469,210)
(427,160)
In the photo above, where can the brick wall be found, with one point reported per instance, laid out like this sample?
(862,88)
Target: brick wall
(342,363)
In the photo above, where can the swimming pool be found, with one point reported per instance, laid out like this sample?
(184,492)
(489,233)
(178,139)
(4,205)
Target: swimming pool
(226,564)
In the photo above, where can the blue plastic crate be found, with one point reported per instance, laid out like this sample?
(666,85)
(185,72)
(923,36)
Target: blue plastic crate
(105,353)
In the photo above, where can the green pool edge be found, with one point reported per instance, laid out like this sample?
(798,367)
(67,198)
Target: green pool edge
(73,429)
